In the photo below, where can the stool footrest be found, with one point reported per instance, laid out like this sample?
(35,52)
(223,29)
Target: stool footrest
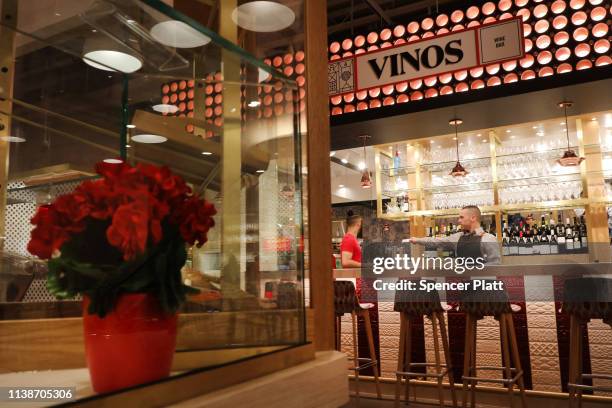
(367,363)
(495,380)
(413,374)
(589,387)
(598,376)
(493,368)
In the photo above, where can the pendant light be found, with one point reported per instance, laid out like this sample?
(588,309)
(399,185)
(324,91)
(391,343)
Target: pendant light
(570,158)
(458,170)
(366,179)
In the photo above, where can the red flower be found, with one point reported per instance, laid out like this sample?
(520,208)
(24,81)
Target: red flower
(136,200)
(129,230)
(48,236)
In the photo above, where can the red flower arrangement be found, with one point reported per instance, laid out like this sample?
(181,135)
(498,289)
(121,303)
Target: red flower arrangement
(132,221)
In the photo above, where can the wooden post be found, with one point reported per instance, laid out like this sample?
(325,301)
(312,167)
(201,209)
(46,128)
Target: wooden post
(7,65)
(231,161)
(319,183)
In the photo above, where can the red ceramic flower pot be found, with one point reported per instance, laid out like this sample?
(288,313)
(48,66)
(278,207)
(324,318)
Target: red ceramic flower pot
(133,344)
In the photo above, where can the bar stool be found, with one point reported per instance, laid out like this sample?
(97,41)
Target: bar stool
(585,299)
(346,301)
(476,304)
(415,304)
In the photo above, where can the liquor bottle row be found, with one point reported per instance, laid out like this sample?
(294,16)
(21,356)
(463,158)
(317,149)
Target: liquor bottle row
(525,237)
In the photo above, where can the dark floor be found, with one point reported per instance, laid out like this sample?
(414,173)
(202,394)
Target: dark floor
(374,403)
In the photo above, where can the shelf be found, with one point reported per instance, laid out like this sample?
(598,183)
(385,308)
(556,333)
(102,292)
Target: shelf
(545,205)
(400,171)
(485,210)
(551,152)
(539,180)
(479,186)
(395,193)
(440,166)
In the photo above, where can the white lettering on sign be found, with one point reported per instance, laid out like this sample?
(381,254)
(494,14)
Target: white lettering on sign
(491,43)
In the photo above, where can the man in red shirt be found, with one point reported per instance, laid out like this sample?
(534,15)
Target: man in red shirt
(349,248)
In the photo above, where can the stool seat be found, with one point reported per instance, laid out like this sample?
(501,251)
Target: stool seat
(417,302)
(588,298)
(481,302)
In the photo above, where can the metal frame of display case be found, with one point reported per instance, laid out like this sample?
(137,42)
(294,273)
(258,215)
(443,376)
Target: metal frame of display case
(591,174)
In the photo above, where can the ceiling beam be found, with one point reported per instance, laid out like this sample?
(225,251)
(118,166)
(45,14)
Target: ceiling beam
(376,7)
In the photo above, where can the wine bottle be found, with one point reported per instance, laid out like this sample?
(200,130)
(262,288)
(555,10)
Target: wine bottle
(514,241)
(544,238)
(569,237)
(396,161)
(560,233)
(583,234)
(576,236)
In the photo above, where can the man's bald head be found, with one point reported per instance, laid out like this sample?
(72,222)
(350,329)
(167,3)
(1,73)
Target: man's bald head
(469,218)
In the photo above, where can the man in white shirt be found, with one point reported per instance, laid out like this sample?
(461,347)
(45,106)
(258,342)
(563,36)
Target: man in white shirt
(472,242)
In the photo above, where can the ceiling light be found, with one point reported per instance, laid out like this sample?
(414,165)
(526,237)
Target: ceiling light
(570,158)
(562,123)
(432,141)
(484,140)
(254,104)
(263,16)
(177,34)
(145,138)
(130,126)
(508,131)
(259,171)
(344,161)
(593,119)
(206,153)
(12,139)
(165,108)
(534,127)
(540,133)
(112,161)
(128,146)
(341,185)
(479,134)
(332,154)
(361,166)
(109,60)
(366,179)
(130,21)
(512,137)
(458,170)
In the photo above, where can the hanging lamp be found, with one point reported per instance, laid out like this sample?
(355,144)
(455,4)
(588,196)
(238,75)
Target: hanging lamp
(458,170)
(366,179)
(570,158)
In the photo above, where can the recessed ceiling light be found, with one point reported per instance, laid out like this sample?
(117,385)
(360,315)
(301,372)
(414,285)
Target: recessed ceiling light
(206,153)
(165,108)
(479,134)
(263,16)
(534,127)
(341,185)
(332,154)
(454,138)
(432,141)
(562,123)
(344,161)
(512,137)
(130,126)
(508,131)
(484,140)
(112,161)
(254,104)
(593,119)
(128,146)
(146,138)
(540,133)
(12,139)
(111,60)
(177,34)
(259,171)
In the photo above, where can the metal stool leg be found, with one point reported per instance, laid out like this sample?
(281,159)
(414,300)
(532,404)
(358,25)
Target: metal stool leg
(434,324)
(400,359)
(370,336)
(517,359)
(467,361)
(506,356)
(474,359)
(408,356)
(579,353)
(355,356)
(573,375)
(447,358)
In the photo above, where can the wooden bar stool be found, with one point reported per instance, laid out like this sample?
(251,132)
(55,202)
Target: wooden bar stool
(585,299)
(413,305)
(476,304)
(346,301)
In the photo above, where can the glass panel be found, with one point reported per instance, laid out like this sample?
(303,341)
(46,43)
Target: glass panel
(226,121)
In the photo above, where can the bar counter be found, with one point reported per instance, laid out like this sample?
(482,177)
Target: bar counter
(536,293)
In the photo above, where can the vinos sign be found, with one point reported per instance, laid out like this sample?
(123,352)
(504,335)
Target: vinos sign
(450,52)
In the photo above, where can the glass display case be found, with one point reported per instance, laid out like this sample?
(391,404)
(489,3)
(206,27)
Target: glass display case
(137,82)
